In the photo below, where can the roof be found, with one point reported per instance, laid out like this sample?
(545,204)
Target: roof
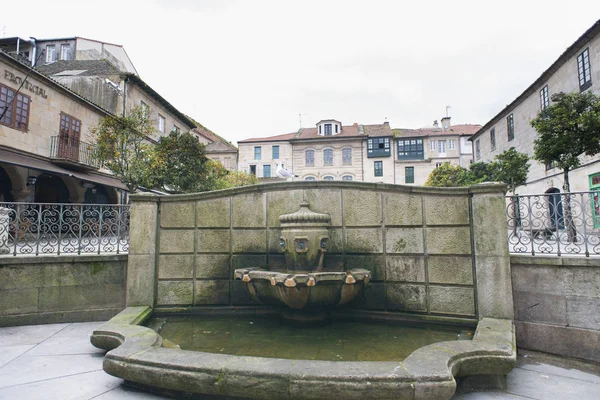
(562,59)
(80,68)
(459,129)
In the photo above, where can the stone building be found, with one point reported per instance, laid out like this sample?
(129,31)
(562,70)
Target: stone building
(217,148)
(576,69)
(366,153)
(46,152)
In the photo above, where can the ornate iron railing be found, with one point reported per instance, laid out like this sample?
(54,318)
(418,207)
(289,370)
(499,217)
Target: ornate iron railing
(71,149)
(554,223)
(54,229)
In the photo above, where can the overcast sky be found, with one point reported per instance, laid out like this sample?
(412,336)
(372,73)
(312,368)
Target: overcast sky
(254,68)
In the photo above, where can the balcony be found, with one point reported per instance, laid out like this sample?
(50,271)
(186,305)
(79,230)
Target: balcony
(73,153)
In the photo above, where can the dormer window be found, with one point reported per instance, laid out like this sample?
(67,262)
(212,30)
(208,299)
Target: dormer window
(329,127)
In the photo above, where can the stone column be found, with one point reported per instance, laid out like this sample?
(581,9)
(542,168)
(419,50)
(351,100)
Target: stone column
(490,246)
(4,229)
(141,265)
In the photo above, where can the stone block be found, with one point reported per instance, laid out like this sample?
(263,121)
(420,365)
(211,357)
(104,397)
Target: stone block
(213,240)
(175,266)
(69,298)
(404,241)
(282,202)
(180,214)
(276,262)
(406,297)
(451,300)
(249,211)
(18,301)
(334,263)
(447,210)
(449,240)
(239,294)
(583,312)
(328,201)
(450,269)
(249,241)
(373,296)
(362,208)
(372,262)
(174,293)
(405,269)
(212,266)
(176,241)
(585,282)
(142,234)
(541,279)
(21,276)
(494,287)
(215,292)
(489,224)
(364,240)
(213,213)
(140,280)
(335,244)
(248,261)
(274,238)
(536,307)
(402,209)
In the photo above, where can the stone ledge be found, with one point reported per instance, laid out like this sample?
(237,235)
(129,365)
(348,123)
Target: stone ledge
(427,373)
(22,259)
(547,260)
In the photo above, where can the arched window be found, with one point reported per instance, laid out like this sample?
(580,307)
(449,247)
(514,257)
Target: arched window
(309,158)
(328,178)
(50,189)
(347,177)
(328,157)
(347,156)
(310,178)
(5,186)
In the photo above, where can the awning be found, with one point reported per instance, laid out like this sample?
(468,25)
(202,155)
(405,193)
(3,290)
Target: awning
(36,163)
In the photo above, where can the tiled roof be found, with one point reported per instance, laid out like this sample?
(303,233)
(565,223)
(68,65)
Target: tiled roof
(348,131)
(80,68)
(461,130)
(378,130)
(287,136)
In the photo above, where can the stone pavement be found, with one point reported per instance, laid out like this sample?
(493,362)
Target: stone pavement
(57,361)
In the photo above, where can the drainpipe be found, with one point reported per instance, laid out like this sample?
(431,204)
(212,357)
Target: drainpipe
(393,147)
(33,52)
(124,94)
(362,158)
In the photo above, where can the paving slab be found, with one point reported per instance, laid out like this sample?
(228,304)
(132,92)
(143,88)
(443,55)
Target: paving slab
(30,334)
(9,353)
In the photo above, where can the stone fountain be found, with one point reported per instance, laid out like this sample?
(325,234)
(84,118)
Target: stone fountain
(304,291)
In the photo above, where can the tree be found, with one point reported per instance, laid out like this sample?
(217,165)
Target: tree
(568,129)
(511,168)
(482,172)
(180,164)
(123,148)
(235,179)
(448,175)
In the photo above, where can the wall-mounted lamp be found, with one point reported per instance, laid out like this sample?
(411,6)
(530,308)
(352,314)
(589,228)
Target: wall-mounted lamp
(31,180)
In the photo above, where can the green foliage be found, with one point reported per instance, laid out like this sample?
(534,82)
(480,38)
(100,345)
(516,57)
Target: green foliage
(568,129)
(510,167)
(481,172)
(121,145)
(448,175)
(180,164)
(235,179)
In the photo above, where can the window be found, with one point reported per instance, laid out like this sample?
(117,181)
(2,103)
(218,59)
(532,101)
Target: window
(309,158)
(328,157)
(550,165)
(15,110)
(583,69)
(410,149)
(378,147)
(327,128)
(451,145)
(145,109)
(432,145)
(68,139)
(337,127)
(65,52)
(493,139)
(50,54)
(328,178)
(253,170)
(477,149)
(438,164)
(510,127)
(310,178)
(347,156)
(176,129)
(347,178)
(409,174)
(378,166)
(161,123)
(275,152)
(257,151)
(267,171)
(544,101)
(227,162)
(442,147)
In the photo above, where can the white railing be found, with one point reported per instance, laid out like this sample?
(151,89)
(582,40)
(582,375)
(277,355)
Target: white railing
(554,223)
(55,229)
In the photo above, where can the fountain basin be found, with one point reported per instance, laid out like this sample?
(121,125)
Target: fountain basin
(136,354)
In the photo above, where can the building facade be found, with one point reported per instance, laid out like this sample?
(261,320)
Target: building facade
(366,153)
(576,70)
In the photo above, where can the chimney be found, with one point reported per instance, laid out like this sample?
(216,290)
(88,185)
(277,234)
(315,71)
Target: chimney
(446,123)
(435,123)
(386,124)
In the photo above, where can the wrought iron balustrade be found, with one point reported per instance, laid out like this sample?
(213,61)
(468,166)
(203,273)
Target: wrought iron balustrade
(54,229)
(74,150)
(554,223)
